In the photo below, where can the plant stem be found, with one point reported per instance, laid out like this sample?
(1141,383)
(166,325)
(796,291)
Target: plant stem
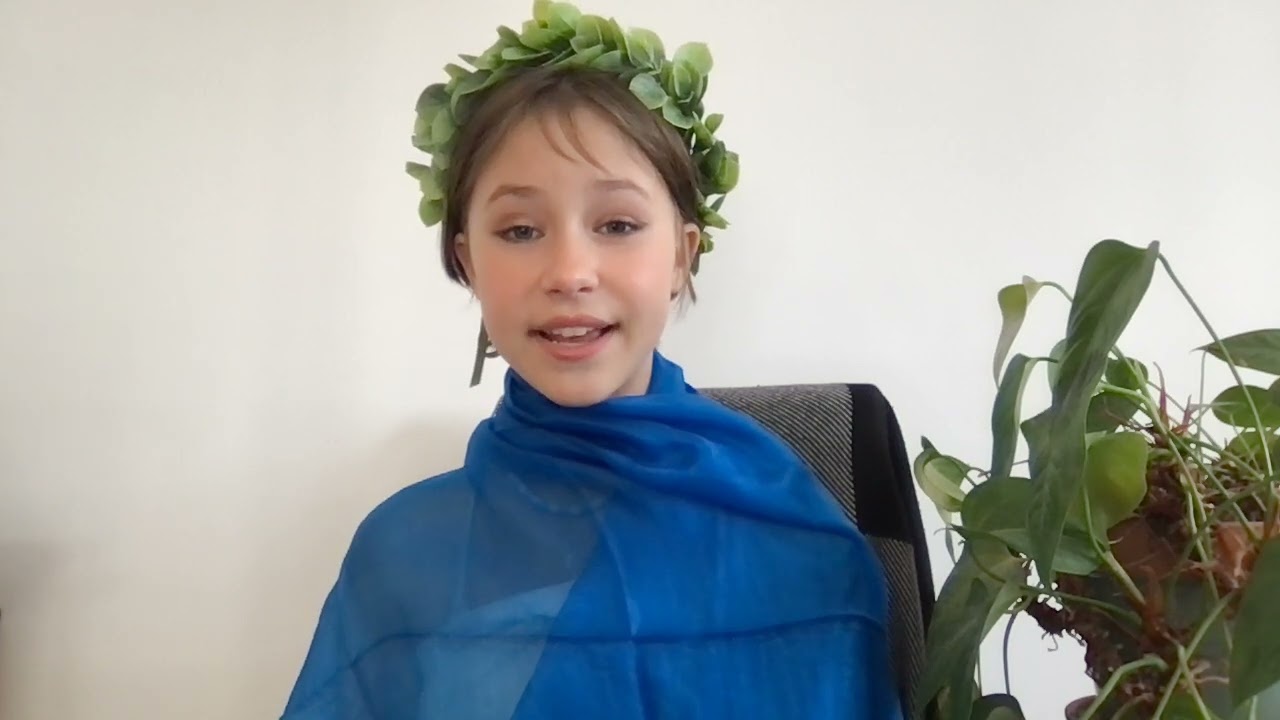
(1120,673)
(1115,610)
(1235,372)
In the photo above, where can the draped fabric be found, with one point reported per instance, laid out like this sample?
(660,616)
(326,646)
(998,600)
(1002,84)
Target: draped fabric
(655,556)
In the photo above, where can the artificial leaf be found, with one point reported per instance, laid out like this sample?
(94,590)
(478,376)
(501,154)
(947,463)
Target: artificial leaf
(727,178)
(591,30)
(714,121)
(1112,282)
(645,87)
(696,55)
(1006,414)
(1013,301)
(442,128)
(542,12)
(1256,350)
(610,61)
(521,53)
(583,58)
(1255,653)
(644,48)
(430,211)
(674,115)
(1232,407)
(456,72)
(432,99)
(683,81)
(1115,480)
(508,37)
(538,38)
(563,18)
(427,179)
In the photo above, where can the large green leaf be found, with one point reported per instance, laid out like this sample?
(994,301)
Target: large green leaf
(1232,407)
(1006,414)
(1013,301)
(997,510)
(1111,285)
(1255,654)
(1115,480)
(1248,447)
(1256,350)
(968,598)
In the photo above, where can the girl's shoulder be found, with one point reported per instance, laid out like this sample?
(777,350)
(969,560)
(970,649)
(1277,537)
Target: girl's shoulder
(428,516)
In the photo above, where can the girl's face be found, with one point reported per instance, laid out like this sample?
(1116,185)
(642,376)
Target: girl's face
(575,251)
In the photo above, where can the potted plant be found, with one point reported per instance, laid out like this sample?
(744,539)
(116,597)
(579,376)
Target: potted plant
(1146,528)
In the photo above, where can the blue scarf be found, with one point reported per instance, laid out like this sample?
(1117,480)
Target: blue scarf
(657,556)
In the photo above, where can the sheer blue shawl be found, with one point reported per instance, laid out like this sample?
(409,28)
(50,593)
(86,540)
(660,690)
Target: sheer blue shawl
(657,556)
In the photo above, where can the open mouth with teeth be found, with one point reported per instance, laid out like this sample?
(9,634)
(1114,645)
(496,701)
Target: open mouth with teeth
(575,335)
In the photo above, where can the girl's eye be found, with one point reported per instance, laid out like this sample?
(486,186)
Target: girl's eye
(519,233)
(619,227)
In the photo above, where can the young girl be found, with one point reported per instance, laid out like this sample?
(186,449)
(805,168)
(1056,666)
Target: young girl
(615,545)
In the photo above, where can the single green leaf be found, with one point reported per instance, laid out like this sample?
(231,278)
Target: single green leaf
(428,180)
(1108,411)
(616,37)
(542,11)
(1232,407)
(521,53)
(1256,350)
(1013,301)
(508,37)
(442,128)
(537,38)
(1248,448)
(610,61)
(584,58)
(714,120)
(727,178)
(431,100)
(1127,373)
(645,49)
(1255,653)
(646,87)
(430,211)
(997,510)
(940,477)
(563,18)
(591,30)
(1055,355)
(456,72)
(696,55)
(674,115)
(1115,479)
(1006,414)
(1112,282)
(969,598)
(997,707)
(683,81)
(717,203)
(1275,392)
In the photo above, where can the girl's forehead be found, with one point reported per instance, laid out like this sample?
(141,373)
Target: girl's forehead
(580,141)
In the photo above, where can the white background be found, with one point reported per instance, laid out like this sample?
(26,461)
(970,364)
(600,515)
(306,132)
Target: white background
(224,336)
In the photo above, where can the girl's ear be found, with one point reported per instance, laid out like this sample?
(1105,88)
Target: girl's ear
(462,251)
(690,238)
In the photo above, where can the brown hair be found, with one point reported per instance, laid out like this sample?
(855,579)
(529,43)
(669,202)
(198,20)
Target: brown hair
(541,90)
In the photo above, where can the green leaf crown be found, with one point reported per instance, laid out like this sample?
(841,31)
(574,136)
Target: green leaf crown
(560,35)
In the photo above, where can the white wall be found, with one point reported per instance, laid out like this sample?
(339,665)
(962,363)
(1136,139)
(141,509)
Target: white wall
(224,336)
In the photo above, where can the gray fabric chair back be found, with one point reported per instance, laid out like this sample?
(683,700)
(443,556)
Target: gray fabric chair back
(849,436)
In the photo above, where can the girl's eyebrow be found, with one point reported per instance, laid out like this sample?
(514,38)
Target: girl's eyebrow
(606,185)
